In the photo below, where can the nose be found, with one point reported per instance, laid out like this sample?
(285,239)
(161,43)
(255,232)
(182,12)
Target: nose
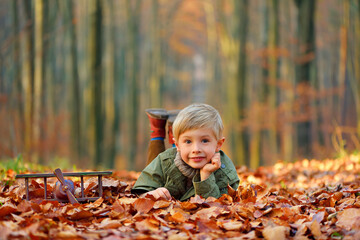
(196,148)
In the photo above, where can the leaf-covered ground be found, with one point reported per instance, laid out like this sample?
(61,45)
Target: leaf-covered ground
(304,200)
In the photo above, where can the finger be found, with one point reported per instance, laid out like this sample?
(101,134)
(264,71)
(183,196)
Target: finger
(156,194)
(165,193)
(216,162)
(168,195)
(216,157)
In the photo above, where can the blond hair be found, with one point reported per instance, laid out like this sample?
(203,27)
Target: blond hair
(195,116)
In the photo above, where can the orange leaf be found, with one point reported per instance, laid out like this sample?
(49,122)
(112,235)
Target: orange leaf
(349,219)
(206,225)
(179,215)
(143,205)
(188,205)
(275,232)
(77,214)
(7,209)
(107,223)
(147,224)
(161,204)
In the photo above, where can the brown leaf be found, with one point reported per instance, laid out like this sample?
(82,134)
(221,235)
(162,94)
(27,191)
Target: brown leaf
(118,207)
(107,223)
(77,214)
(337,196)
(319,217)
(24,206)
(179,215)
(275,232)
(349,219)
(161,204)
(7,209)
(231,225)
(17,218)
(147,224)
(188,205)
(207,213)
(143,205)
(5,230)
(232,192)
(205,225)
(315,229)
(257,214)
(197,200)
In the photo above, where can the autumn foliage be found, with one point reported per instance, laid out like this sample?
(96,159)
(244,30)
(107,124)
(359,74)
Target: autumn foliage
(303,200)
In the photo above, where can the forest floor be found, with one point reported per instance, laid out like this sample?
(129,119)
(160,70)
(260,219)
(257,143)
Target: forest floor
(309,199)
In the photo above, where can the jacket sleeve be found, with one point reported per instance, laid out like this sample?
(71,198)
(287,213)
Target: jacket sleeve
(206,188)
(150,178)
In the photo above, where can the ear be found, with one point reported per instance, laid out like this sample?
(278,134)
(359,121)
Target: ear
(219,144)
(176,144)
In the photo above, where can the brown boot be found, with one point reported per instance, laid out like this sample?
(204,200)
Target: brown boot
(155,148)
(171,119)
(157,118)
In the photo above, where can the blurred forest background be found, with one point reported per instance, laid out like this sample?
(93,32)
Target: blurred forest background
(77,75)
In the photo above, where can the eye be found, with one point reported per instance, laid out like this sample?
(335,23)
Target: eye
(187,141)
(205,140)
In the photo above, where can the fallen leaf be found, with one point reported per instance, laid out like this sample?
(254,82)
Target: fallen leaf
(315,229)
(188,205)
(275,232)
(161,204)
(179,215)
(77,214)
(206,225)
(231,225)
(349,219)
(143,205)
(148,224)
(107,223)
(7,209)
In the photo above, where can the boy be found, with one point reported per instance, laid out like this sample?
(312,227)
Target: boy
(196,166)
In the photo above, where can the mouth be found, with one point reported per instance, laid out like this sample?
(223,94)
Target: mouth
(197,159)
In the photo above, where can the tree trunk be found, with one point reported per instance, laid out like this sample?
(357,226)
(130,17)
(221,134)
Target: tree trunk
(241,8)
(38,78)
(133,61)
(305,62)
(156,72)
(96,99)
(272,79)
(27,76)
(74,86)
(110,83)
(18,71)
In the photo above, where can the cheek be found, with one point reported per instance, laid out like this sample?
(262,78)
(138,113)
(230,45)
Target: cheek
(183,155)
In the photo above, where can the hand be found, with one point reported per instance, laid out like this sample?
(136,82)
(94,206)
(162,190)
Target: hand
(210,167)
(159,193)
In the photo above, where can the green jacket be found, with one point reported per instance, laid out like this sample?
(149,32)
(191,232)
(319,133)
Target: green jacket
(162,172)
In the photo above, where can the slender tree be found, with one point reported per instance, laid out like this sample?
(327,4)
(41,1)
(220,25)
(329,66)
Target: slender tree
(96,87)
(133,60)
(19,105)
(74,86)
(156,65)
(27,73)
(303,68)
(272,77)
(38,76)
(110,122)
(353,59)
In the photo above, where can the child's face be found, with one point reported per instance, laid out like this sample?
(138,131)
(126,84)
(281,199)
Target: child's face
(198,146)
